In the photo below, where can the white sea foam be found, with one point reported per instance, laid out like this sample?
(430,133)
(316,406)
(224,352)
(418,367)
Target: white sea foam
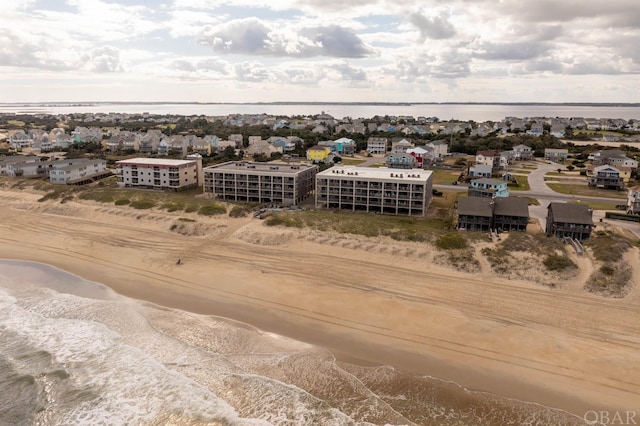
(130,386)
(113,360)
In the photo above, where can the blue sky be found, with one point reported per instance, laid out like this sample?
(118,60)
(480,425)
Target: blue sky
(320,50)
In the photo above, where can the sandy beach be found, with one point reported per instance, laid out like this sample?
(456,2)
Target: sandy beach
(376,301)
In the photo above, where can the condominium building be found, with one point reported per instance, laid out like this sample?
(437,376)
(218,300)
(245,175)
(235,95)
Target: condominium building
(285,184)
(7,162)
(158,173)
(377,190)
(73,171)
(80,171)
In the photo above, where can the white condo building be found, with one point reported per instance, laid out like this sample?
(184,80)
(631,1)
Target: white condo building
(378,190)
(158,173)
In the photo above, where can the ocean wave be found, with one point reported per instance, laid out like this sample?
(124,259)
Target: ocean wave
(106,359)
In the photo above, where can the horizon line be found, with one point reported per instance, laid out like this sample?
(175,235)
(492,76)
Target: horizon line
(50,103)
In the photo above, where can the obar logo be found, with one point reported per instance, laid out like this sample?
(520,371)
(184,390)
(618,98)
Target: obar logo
(610,418)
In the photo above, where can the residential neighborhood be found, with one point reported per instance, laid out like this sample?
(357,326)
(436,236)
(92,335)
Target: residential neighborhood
(393,167)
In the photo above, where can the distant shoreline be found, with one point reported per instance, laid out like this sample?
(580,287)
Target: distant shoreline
(89,103)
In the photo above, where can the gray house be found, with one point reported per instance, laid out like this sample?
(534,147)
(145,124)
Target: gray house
(569,220)
(483,214)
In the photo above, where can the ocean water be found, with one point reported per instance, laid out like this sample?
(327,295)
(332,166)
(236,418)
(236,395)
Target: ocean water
(73,352)
(465,112)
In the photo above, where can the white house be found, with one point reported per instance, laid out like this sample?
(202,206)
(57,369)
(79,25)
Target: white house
(440,148)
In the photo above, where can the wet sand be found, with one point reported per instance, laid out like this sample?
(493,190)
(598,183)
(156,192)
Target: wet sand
(561,348)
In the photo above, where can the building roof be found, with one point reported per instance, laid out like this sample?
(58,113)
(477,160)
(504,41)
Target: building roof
(155,162)
(400,155)
(420,150)
(475,206)
(571,213)
(254,167)
(511,206)
(521,147)
(605,167)
(376,173)
(482,167)
(489,181)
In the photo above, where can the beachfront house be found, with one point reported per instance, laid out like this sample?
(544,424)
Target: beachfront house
(569,220)
(474,214)
(280,183)
(8,162)
(376,190)
(483,214)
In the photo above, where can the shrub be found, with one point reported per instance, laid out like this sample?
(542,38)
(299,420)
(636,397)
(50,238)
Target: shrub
(122,202)
(611,280)
(607,270)
(608,248)
(48,196)
(451,241)
(555,262)
(239,211)
(171,207)
(102,197)
(212,210)
(283,220)
(142,204)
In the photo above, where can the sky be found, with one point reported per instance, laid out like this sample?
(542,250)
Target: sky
(320,50)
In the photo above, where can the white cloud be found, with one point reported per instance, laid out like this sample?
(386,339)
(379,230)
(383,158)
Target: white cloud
(362,49)
(104,59)
(432,27)
(253,36)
